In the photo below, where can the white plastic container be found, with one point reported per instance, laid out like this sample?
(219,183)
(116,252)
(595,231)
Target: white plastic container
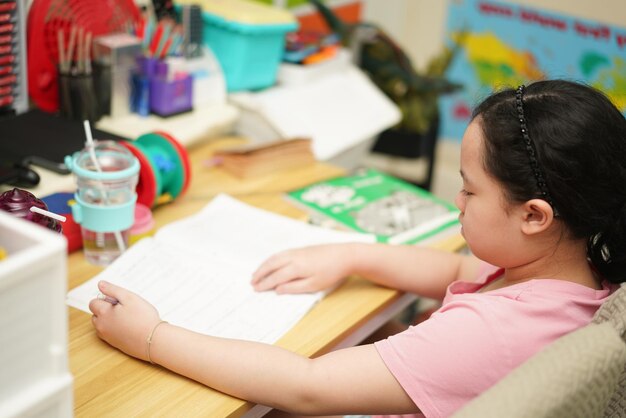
(341,111)
(34,370)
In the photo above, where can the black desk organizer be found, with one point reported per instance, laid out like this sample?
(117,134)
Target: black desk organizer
(42,139)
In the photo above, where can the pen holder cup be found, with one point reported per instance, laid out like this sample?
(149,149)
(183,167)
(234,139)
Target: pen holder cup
(77,97)
(106,176)
(145,69)
(170,97)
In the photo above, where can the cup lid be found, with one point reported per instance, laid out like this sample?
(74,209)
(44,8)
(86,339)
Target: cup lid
(105,160)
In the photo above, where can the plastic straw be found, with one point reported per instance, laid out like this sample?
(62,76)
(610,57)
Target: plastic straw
(87,56)
(48,214)
(91,146)
(61,46)
(70,49)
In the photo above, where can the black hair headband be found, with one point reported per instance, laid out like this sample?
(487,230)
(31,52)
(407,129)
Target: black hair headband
(530,148)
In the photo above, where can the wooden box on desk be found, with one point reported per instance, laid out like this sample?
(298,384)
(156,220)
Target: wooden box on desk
(34,371)
(261,158)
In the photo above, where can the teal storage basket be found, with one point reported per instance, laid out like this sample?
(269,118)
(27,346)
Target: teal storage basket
(249,54)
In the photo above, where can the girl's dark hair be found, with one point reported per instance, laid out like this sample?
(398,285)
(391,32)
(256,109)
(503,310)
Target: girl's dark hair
(580,142)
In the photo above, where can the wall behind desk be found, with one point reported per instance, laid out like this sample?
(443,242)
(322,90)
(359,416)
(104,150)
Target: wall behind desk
(418,26)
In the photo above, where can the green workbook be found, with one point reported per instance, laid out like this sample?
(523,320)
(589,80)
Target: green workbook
(372,202)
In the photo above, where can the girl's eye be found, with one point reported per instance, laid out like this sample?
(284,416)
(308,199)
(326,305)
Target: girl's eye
(465,192)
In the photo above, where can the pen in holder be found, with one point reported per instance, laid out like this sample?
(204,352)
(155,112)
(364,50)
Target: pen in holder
(77,95)
(170,95)
(158,91)
(106,176)
(140,93)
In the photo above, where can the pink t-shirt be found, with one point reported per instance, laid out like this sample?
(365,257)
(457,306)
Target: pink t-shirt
(475,339)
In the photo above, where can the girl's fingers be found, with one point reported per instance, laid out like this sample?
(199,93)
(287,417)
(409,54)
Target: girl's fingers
(275,278)
(98,307)
(296,286)
(94,322)
(273,263)
(114,291)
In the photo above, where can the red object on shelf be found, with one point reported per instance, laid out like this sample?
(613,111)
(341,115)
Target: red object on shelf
(349,11)
(47,17)
(147,184)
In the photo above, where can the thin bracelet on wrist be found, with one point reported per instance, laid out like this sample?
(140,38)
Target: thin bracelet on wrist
(149,340)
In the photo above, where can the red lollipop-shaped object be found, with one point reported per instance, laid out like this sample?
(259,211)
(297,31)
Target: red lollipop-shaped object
(18,203)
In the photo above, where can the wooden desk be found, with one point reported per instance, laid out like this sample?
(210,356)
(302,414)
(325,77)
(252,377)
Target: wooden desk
(108,383)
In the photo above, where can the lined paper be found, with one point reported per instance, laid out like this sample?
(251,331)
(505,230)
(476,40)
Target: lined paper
(197,271)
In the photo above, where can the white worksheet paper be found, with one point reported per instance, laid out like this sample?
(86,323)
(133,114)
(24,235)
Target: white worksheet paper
(197,271)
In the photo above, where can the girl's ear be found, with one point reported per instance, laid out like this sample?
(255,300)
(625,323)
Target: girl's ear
(538,215)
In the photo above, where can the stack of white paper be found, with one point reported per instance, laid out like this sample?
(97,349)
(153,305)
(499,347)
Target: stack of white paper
(197,271)
(338,111)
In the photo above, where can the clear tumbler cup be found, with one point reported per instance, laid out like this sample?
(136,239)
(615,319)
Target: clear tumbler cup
(106,177)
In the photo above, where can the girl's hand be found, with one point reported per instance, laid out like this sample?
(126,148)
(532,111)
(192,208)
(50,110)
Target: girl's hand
(303,270)
(125,325)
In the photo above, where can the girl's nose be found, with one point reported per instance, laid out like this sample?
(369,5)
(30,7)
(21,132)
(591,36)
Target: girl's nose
(459,201)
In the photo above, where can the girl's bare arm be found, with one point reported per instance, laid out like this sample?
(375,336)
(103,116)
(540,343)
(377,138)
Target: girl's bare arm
(353,380)
(423,271)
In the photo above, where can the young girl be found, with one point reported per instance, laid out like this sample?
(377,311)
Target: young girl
(543,210)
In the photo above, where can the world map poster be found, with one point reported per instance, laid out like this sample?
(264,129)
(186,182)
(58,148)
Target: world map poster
(505,45)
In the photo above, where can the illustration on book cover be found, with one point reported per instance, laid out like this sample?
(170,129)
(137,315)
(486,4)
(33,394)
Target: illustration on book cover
(376,203)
